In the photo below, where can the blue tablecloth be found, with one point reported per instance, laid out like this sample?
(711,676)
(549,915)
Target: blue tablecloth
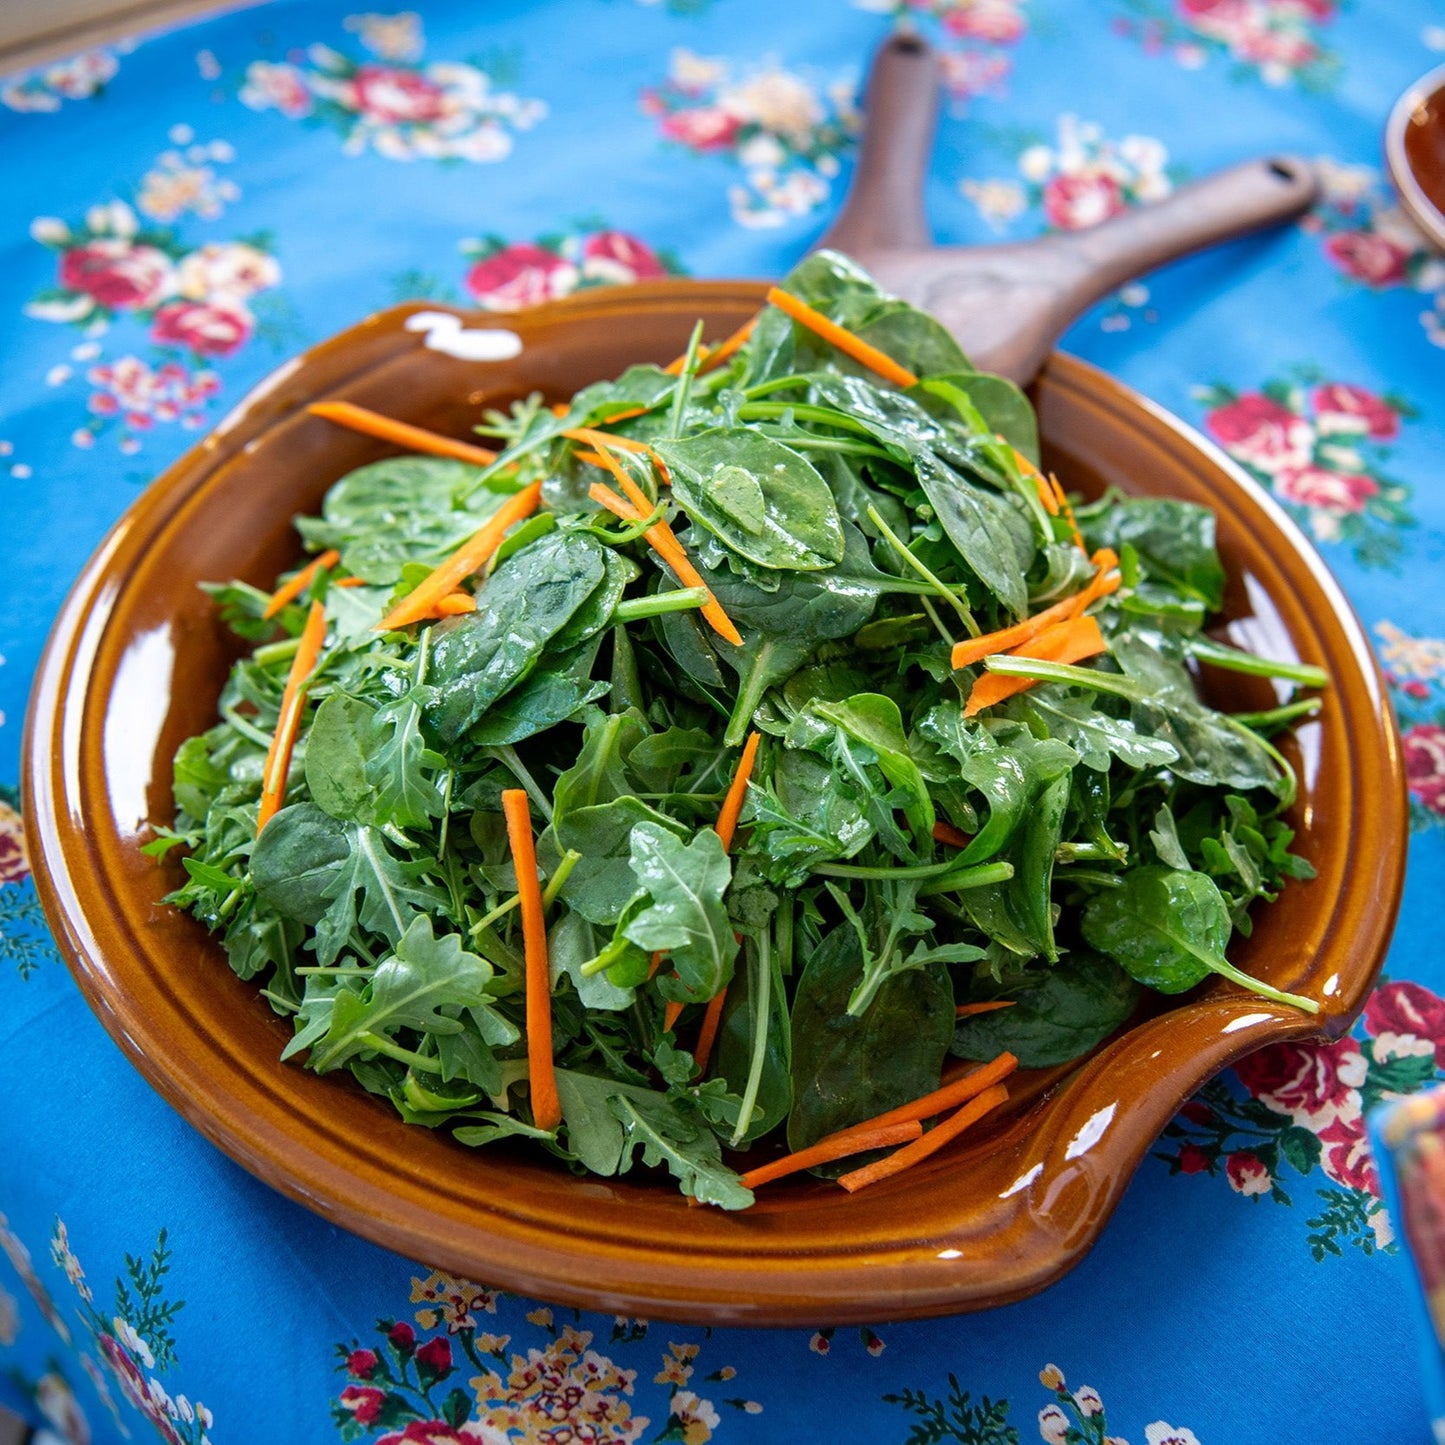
(183,211)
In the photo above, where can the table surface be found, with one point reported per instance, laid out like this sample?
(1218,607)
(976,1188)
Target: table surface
(182,212)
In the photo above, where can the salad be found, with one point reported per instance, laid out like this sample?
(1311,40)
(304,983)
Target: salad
(757,750)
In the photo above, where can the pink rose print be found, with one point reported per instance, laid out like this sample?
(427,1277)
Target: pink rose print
(362,1363)
(438,1432)
(390,96)
(1408,1010)
(1074,202)
(364,1402)
(216,328)
(1326,490)
(1340,407)
(1000,22)
(615,257)
(1262,433)
(1425,764)
(116,274)
(1246,1174)
(1193,1160)
(277,87)
(706,128)
(1346,1157)
(1316,1085)
(435,1356)
(402,1337)
(522,275)
(1368,256)
(14,859)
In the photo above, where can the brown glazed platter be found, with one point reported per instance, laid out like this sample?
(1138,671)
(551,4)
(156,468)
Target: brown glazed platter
(1415,154)
(135,664)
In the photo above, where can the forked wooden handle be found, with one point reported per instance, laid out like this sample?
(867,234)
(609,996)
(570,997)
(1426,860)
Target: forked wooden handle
(884,208)
(1231,203)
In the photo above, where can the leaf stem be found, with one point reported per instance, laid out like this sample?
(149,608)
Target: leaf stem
(901,547)
(570,860)
(1278,717)
(1233,660)
(762,1005)
(1225,969)
(277,651)
(681,599)
(684,383)
(979,876)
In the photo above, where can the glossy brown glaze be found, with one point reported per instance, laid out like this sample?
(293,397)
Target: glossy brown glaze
(135,663)
(1415,153)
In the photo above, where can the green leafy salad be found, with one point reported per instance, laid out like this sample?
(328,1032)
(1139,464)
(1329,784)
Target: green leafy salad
(982,804)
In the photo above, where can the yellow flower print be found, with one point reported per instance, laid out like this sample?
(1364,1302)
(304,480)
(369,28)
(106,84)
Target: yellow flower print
(683,1352)
(493,1344)
(726,1373)
(455,1301)
(673,1372)
(1051,1377)
(541,1318)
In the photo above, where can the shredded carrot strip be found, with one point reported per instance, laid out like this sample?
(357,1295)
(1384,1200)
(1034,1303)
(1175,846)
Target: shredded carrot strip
(560,408)
(288,721)
(1104,581)
(1040,481)
(349,582)
(546,1107)
(666,545)
(707,1034)
(842,338)
(930,1143)
(837,1146)
(713,356)
(732,808)
(300,582)
(468,558)
(359,418)
(1062,498)
(959,1091)
(455,604)
(1067,642)
(947,833)
(967,1010)
(596,438)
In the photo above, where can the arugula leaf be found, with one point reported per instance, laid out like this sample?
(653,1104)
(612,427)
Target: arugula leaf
(689,1150)
(685,916)
(875,720)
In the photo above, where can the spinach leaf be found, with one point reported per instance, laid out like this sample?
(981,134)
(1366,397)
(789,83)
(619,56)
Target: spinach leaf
(526,602)
(761,498)
(399,510)
(1002,403)
(337,749)
(1174,541)
(847,1069)
(1058,1013)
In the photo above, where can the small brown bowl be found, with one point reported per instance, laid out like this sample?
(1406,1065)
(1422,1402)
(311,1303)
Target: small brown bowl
(135,664)
(1415,154)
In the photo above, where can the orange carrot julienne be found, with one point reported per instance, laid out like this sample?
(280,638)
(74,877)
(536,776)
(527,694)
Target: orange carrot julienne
(595,438)
(541,1072)
(1071,641)
(947,833)
(373,423)
(949,1096)
(837,1146)
(930,1143)
(349,582)
(968,1010)
(468,558)
(1104,581)
(662,540)
(288,720)
(671,1014)
(1040,481)
(707,1033)
(560,408)
(842,338)
(732,808)
(455,604)
(287,591)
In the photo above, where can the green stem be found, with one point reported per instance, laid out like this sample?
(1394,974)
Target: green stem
(385,1046)
(684,383)
(762,1004)
(804,441)
(1291,788)
(802,411)
(979,876)
(784,920)
(277,651)
(337,972)
(906,870)
(625,681)
(1233,660)
(943,590)
(1225,969)
(507,755)
(1112,682)
(1088,875)
(750,696)
(570,860)
(682,599)
(948,638)
(1279,717)
(499,912)
(246,728)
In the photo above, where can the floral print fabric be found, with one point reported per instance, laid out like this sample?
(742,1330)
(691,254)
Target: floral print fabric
(185,211)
